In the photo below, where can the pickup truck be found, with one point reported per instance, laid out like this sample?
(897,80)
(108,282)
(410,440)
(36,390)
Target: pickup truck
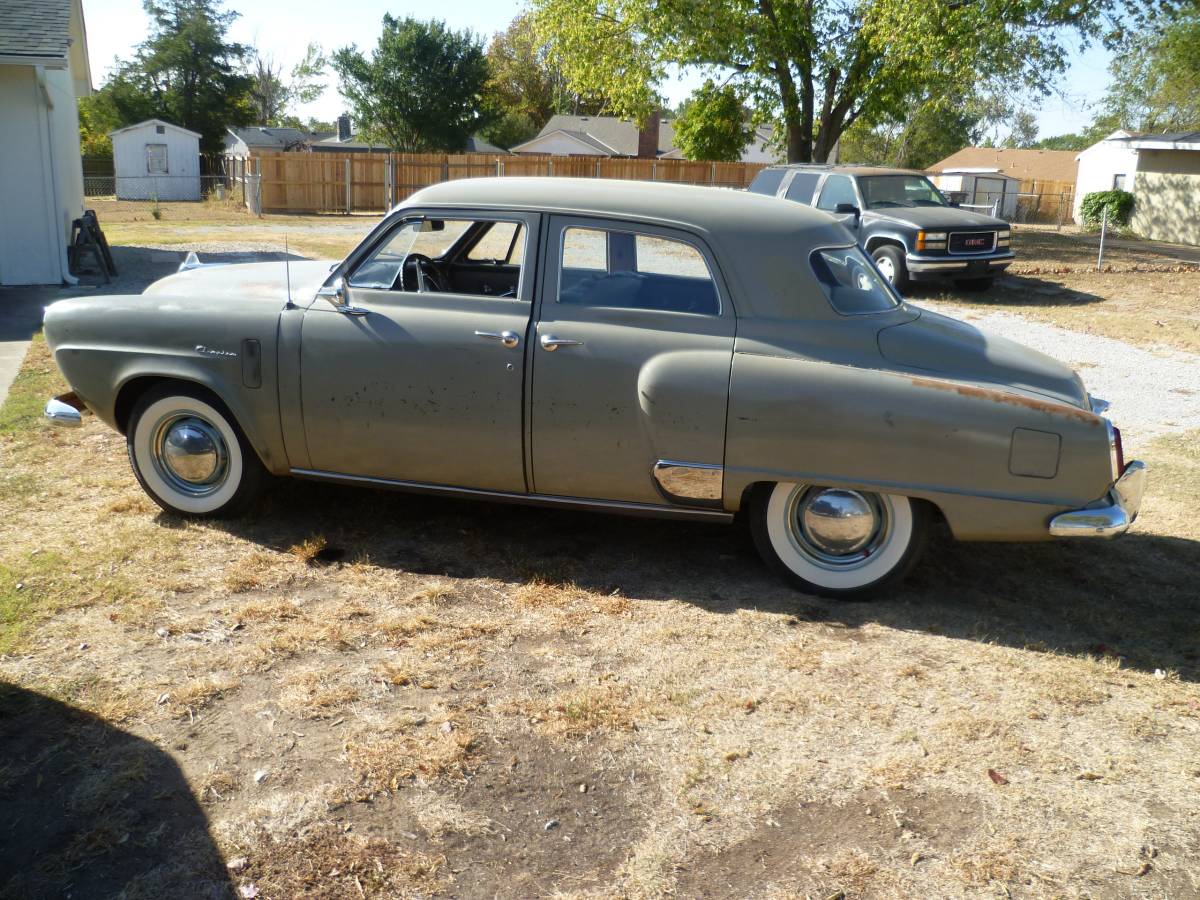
(901,219)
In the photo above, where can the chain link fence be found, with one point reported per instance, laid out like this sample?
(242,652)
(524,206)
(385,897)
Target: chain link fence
(1020,208)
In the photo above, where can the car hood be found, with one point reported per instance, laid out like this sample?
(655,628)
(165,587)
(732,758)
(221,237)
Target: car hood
(246,281)
(938,218)
(952,349)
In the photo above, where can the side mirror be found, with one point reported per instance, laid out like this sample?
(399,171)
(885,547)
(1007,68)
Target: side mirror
(334,292)
(846,209)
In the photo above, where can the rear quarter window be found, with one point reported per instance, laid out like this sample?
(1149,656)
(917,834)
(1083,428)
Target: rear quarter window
(767,181)
(850,282)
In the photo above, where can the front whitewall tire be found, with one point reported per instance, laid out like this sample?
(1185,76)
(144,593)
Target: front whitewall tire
(236,470)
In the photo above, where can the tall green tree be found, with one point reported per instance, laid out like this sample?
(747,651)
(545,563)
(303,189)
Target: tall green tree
(423,88)
(713,124)
(272,95)
(187,72)
(1156,79)
(823,65)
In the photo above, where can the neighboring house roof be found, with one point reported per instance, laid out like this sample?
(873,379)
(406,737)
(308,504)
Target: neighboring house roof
(475,144)
(265,138)
(608,135)
(153,122)
(1044,165)
(1168,140)
(35,32)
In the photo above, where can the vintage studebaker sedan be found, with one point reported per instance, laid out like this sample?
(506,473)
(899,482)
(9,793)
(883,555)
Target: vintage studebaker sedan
(638,348)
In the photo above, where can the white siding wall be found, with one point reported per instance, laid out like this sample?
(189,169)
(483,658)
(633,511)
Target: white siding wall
(1097,166)
(134,182)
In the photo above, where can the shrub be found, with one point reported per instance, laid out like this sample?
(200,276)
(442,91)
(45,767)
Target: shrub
(1119,204)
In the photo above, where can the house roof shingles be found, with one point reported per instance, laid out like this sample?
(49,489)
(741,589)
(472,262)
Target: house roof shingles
(271,138)
(37,29)
(608,134)
(1043,165)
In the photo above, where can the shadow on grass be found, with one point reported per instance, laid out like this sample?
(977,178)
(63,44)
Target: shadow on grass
(88,810)
(1137,597)
(1008,291)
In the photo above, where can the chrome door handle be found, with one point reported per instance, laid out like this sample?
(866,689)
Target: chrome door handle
(551,343)
(507,338)
(346,310)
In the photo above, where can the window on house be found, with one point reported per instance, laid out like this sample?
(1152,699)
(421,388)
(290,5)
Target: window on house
(1118,182)
(156,159)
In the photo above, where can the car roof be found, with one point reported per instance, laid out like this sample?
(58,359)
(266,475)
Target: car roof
(750,234)
(707,208)
(850,170)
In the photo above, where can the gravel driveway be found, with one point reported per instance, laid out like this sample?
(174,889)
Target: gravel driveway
(1152,391)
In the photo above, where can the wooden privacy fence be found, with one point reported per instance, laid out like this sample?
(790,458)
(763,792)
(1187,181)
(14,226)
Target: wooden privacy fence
(373,182)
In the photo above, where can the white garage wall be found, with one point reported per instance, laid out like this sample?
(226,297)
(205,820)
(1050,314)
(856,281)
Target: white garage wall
(1097,166)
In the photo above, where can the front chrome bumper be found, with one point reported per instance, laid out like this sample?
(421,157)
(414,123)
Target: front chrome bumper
(65,409)
(934,264)
(1111,516)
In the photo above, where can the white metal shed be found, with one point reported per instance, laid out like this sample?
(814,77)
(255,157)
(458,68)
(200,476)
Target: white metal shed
(155,160)
(980,188)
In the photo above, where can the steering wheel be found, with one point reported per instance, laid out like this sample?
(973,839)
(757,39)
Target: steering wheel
(425,273)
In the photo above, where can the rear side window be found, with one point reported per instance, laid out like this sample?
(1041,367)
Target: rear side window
(851,282)
(627,270)
(837,189)
(802,186)
(767,181)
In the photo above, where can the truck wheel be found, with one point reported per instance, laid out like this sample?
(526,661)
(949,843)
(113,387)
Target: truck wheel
(837,543)
(189,455)
(889,260)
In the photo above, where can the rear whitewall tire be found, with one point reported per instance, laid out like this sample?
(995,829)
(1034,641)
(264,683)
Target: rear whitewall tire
(237,475)
(890,551)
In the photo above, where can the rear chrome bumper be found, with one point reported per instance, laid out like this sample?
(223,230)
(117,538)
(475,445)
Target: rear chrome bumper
(65,409)
(1111,516)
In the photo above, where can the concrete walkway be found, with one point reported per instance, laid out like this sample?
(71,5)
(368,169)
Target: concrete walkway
(20,316)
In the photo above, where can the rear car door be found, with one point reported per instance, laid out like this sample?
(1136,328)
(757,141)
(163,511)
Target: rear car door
(630,384)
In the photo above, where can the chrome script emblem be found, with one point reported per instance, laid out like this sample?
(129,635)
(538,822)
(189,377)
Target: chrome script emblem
(209,351)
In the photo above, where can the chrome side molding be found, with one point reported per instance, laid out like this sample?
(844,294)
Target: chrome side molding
(691,483)
(1113,515)
(65,409)
(581,503)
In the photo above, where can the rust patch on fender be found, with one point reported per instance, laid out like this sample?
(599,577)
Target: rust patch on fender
(1043,406)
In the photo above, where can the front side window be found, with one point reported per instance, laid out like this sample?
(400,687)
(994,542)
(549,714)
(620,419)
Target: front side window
(628,270)
(156,159)
(851,282)
(892,191)
(838,189)
(445,256)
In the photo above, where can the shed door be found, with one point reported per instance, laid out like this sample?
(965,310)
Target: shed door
(28,240)
(631,362)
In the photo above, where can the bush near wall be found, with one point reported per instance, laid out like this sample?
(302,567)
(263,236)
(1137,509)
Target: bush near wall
(1119,204)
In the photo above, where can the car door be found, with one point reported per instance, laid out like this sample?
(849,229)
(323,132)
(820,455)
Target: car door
(419,385)
(838,190)
(634,342)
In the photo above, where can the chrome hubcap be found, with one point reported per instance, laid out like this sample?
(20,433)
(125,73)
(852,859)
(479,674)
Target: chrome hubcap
(885,267)
(837,528)
(190,454)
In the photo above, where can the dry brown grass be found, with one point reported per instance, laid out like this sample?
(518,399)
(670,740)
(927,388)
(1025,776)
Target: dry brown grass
(656,663)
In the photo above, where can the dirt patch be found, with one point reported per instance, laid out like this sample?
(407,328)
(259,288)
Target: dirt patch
(821,848)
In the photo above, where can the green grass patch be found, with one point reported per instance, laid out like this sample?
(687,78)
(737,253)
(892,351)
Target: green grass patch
(37,381)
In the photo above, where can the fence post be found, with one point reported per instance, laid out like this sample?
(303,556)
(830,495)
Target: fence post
(597,167)
(550,167)
(1103,233)
(654,170)
(499,167)
(347,186)
(445,168)
(1062,202)
(712,175)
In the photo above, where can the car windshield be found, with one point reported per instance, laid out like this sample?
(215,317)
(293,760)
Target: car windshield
(884,191)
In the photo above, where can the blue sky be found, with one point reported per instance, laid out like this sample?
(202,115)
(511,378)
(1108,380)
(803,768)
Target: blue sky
(282,29)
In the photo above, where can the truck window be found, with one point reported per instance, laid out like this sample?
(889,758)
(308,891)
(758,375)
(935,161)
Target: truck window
(837,189)
(767,181)
(802,187)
